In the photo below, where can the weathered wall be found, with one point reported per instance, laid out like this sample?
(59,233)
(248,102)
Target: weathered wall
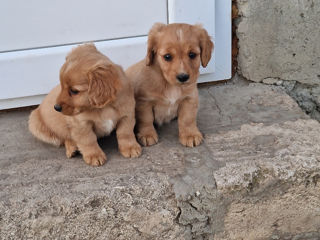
(279,44)
(279,40)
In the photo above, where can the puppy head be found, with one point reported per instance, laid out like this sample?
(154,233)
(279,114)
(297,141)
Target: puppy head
(178,49)
(88,80)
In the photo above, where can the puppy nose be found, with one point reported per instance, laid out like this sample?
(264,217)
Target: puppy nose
(57,107)
(182,77)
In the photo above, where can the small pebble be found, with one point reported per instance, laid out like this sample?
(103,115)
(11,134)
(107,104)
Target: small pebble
(104,210)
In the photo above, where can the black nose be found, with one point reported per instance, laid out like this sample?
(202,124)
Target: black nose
(57,107)
(183,77)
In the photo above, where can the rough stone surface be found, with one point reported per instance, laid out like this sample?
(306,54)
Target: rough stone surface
(255,177)
(275,218)
(307,96)
(279,39)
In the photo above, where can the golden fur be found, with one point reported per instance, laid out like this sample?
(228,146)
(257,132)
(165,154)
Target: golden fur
(162,90)
(94,97)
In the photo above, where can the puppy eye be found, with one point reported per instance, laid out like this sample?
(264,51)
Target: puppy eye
(192,55)
(167,57)
(73,91)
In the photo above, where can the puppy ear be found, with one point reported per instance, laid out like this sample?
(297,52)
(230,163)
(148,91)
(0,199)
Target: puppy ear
(206,46)
(104,83)
(152,40)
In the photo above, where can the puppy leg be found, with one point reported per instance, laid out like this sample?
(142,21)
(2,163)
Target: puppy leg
(71,148)
(127,142)
(86,140)
(189,134)
(147,135)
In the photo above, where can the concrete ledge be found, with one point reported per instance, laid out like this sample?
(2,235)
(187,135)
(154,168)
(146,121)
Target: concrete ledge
(255,177)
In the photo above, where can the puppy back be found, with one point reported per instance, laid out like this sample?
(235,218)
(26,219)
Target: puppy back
(40,130)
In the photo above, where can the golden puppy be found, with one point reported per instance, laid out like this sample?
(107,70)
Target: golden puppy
(93,98)
(165,82)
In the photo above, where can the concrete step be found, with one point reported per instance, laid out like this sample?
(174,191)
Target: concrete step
(254,177)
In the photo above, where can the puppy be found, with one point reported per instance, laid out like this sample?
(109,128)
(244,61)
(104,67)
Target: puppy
(165,82)
(93,98)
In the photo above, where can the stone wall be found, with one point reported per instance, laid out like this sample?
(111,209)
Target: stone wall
(279,44)
(279,39)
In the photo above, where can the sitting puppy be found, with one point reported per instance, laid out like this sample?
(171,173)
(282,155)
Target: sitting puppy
(93,98)
(165,82)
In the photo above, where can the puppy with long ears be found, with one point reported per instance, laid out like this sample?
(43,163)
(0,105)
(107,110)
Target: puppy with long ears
(93,98)
(165,82)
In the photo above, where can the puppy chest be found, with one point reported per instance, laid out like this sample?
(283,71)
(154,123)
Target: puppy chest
(172,95)
(108,125)
(106,122)
(105,127)
(164,113)
(167,108)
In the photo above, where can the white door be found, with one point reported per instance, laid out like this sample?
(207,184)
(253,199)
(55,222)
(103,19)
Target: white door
(36,35)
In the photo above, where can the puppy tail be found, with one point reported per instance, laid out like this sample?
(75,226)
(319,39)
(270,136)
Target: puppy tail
(40,130)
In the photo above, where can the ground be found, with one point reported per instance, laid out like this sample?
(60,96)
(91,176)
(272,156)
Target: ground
(254,177)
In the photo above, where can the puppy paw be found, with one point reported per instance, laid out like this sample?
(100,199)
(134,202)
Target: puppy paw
(71,148)
(97,159)
(131,151)
(191,140)
(148,139)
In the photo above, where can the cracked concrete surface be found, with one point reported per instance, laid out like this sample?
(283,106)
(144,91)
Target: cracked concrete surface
(254,177)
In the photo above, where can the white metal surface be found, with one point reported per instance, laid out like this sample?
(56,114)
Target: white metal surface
(36,71)
(27,75)
(42,23)
(223,43)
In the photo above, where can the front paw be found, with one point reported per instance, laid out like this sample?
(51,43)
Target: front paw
(95,159)
(148,138)
(191,139)
(130,151)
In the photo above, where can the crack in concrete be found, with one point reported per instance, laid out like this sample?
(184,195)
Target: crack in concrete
(214,101)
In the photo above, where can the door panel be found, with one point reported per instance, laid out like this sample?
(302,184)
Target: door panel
(43,23)
(34,72)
